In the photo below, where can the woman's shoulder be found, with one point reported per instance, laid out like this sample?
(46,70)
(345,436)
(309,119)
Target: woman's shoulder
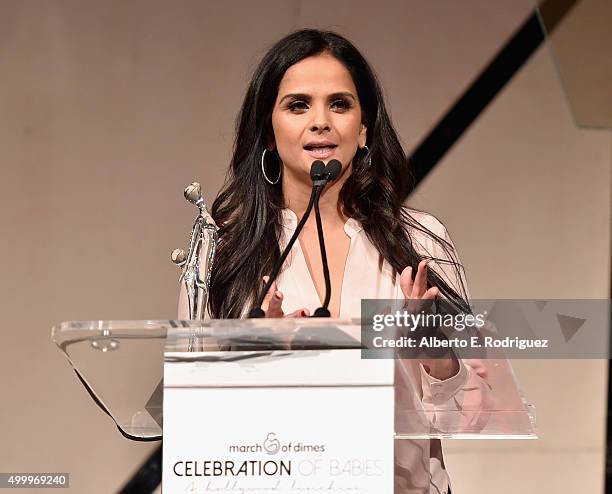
(430,238)
(427,221)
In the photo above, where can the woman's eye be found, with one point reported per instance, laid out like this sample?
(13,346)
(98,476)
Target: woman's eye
(298,106)
(341,104)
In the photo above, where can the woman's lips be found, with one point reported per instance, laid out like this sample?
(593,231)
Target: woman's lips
(321,152)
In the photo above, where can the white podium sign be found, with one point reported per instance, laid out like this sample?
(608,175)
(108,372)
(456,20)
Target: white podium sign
(281,422)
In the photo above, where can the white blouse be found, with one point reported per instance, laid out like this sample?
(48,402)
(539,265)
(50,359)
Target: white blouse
(419,464)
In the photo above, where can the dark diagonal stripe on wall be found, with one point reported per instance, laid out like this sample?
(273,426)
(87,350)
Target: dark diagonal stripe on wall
(148,476)
(486,86)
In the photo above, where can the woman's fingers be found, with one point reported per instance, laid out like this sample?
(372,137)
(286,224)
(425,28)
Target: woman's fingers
(275,308)
(431,294)
(416,290)
(406,282)
(272,302)
(268,296)
(420,281)
(299,313)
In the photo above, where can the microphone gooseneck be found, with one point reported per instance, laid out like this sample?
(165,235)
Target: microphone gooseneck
(322,311)
(331,172)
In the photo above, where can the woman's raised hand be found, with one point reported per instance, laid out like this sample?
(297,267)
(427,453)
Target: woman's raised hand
(417,289)
(415,292)
(273,301)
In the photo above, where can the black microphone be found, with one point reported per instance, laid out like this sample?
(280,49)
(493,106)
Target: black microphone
(317,174)
(331,172)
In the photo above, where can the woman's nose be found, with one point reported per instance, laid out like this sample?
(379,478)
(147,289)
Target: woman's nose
(320,121)
(319,126)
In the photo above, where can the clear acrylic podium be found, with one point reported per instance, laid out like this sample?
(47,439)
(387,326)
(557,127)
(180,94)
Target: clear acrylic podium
(255,390)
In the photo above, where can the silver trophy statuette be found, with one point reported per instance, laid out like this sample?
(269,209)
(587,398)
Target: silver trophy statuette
(196,264)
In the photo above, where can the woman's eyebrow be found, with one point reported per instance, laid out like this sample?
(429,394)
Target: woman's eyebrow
(343,94)
(301,96)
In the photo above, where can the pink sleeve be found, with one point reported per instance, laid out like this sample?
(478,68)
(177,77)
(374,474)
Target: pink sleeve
(469,391)
(460,403)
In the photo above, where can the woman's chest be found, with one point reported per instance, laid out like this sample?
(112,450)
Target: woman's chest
(354,272)
(337,249)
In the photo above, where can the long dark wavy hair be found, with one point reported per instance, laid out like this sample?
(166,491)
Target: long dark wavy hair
(248,210)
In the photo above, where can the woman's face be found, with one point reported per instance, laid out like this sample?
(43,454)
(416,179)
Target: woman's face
(316,116)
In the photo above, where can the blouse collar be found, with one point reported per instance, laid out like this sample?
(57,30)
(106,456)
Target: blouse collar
(290,220)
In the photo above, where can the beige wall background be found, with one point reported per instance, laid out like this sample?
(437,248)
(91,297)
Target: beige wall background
(110,108)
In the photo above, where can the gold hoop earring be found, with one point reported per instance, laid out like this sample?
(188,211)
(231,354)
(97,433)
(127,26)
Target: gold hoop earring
(263,170)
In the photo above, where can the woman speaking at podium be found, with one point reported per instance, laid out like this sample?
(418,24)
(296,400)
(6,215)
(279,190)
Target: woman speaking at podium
(314,97)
